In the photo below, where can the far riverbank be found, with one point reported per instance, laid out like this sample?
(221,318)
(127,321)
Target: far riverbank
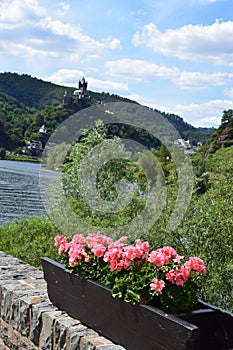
(23,158)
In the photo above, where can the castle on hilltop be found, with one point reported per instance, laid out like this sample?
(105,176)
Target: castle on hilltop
(78,95)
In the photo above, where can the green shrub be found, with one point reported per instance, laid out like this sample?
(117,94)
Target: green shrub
(29,239)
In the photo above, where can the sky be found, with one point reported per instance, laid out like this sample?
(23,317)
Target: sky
(175,56)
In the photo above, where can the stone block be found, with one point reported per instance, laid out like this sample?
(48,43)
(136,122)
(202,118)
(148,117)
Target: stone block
(25,305)
(93,342)
(63,331)
(76,334)
(47,330)
(36,320)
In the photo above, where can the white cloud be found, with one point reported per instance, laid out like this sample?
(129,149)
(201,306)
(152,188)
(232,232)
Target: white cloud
(64,7)
(107,85)
(193,113)
(190,113)
(36,41)
(207,122)
(15,13)
(210,43)
(206,1)
(144,101)
(140,99)
(198,80)
(67,77)
(140,70)
(212,108)
(112,43)
(59,28)
(229,92)
(204,114)
(18,13)
(70,77)
(21,50)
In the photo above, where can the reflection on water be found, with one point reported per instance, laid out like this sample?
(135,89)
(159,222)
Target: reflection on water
(19,191)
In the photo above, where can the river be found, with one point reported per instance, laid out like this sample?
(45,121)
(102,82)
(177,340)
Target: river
(19,191)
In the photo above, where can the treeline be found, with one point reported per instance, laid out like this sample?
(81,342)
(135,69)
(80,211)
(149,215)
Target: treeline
(30,91)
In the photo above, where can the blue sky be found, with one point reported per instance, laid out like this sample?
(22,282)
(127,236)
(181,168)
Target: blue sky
(175,55)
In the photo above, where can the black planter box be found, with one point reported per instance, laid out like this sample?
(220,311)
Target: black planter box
(136,327)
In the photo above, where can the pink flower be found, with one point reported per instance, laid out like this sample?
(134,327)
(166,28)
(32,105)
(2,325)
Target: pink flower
(98,250)
(143,246)
(130,252)
(76,253)
(169,252)
(162,256)
(178,259)
(117,257)
(97,238)
(196,264)
(79,238)
(178,277)
(59,240)
(157,285)
(156,257)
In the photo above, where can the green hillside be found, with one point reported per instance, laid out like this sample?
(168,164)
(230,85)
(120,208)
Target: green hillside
(221,137)
(30,91)
(27,103)
(15,118)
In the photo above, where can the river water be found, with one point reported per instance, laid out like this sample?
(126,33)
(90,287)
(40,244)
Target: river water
(19,191)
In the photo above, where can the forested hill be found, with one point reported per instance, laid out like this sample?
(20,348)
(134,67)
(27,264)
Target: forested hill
(37,93)
(26,103)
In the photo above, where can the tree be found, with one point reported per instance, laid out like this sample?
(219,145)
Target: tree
(2,153)
(227,116)
(57,155)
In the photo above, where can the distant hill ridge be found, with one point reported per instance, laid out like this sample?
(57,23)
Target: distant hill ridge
(26,103)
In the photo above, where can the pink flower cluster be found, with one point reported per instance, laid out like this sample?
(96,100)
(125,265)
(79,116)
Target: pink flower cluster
(181,275)
(196,264)
(162,256)
(76,247)
(119,255)
(178,275)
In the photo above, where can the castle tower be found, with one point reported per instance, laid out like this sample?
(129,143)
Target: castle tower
(82,85)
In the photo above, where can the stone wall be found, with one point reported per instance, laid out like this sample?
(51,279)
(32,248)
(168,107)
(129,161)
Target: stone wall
(28,320)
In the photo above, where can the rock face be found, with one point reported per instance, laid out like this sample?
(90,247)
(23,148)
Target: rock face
(28,320)
(221,138)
